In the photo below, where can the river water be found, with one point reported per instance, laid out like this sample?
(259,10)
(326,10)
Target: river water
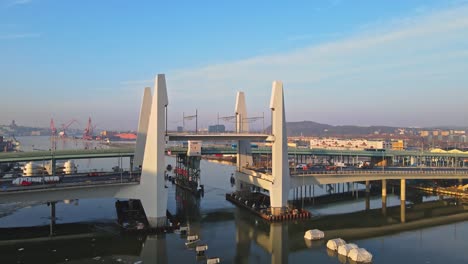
(86,230)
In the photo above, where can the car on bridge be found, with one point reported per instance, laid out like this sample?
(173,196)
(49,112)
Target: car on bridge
(301,166)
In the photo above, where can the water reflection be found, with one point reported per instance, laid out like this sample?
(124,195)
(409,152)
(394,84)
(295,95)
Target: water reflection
(234,235)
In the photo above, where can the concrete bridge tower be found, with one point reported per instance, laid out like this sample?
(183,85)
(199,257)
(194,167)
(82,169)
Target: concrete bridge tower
(279,191)
(244,151)
(151,143)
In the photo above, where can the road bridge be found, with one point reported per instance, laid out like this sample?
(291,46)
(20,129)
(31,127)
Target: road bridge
(150,155)
(65,154)
(212,150)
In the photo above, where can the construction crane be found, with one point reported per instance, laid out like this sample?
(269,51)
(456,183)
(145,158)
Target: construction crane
(65,126)
(53,130)
(88,131)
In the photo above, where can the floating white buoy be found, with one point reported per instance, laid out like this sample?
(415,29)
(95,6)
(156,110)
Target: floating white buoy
(201,250)
(191,240)
(360,255)
(314,234)
(344,249)
(333,244)
(213,260)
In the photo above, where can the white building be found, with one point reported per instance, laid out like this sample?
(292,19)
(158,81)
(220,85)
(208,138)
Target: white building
(348,144)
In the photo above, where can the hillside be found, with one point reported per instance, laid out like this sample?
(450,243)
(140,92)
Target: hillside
(310,128)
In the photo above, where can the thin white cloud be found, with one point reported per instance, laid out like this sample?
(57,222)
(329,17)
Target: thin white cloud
(20,2)
(19,36)
(410,53)
(436,26)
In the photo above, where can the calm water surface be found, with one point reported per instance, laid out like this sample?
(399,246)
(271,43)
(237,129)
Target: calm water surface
(87,233)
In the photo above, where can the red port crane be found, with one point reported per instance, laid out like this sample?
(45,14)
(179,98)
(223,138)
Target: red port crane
(88,131)
(65,126)
(53,130)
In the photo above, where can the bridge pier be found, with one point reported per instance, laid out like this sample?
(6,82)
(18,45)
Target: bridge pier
(53,165)
(384,197)
(367,195)
(403,200)
(280,167)
(152,190)
(244,149)
(143,124)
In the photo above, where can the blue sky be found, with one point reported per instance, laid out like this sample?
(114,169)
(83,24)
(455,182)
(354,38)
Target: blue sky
(399,63)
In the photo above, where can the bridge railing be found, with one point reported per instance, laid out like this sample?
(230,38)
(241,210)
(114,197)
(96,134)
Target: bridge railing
(90,181)
(375,172)
(190,133)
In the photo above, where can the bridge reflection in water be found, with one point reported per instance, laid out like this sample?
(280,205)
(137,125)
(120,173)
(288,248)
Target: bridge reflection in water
(252,239)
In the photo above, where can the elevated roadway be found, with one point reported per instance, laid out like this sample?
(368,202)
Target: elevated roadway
(69,188)
(265,180)
(207,150)
(65,154)
(217,136)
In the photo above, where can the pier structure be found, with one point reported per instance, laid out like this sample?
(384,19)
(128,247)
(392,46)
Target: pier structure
(152,191)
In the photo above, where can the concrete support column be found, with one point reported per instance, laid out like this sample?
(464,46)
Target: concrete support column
(384,197)
(280,167)
(313,194)
(367,195)
(403,200)
(143,124)
(244,150)
(152,190)
(54,166)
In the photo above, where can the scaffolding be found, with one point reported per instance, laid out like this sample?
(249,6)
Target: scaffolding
(187,172)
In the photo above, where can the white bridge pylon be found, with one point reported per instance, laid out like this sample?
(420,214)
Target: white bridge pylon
(151,144)
(149,153)
(278,183)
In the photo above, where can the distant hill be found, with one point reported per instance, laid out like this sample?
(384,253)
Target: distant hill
(310,128)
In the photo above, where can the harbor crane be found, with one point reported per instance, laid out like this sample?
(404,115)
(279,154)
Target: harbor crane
(88,131)
(53,130)
(65,127)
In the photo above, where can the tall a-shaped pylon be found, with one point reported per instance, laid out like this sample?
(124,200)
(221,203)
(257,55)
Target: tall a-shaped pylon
(280,170)
(244,151)
(143,123)
(152,190)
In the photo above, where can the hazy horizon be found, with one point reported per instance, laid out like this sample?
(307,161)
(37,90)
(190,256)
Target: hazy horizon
(399,63)
(256,127)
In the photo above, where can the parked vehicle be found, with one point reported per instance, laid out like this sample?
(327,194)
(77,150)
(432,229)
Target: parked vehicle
(364,165)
